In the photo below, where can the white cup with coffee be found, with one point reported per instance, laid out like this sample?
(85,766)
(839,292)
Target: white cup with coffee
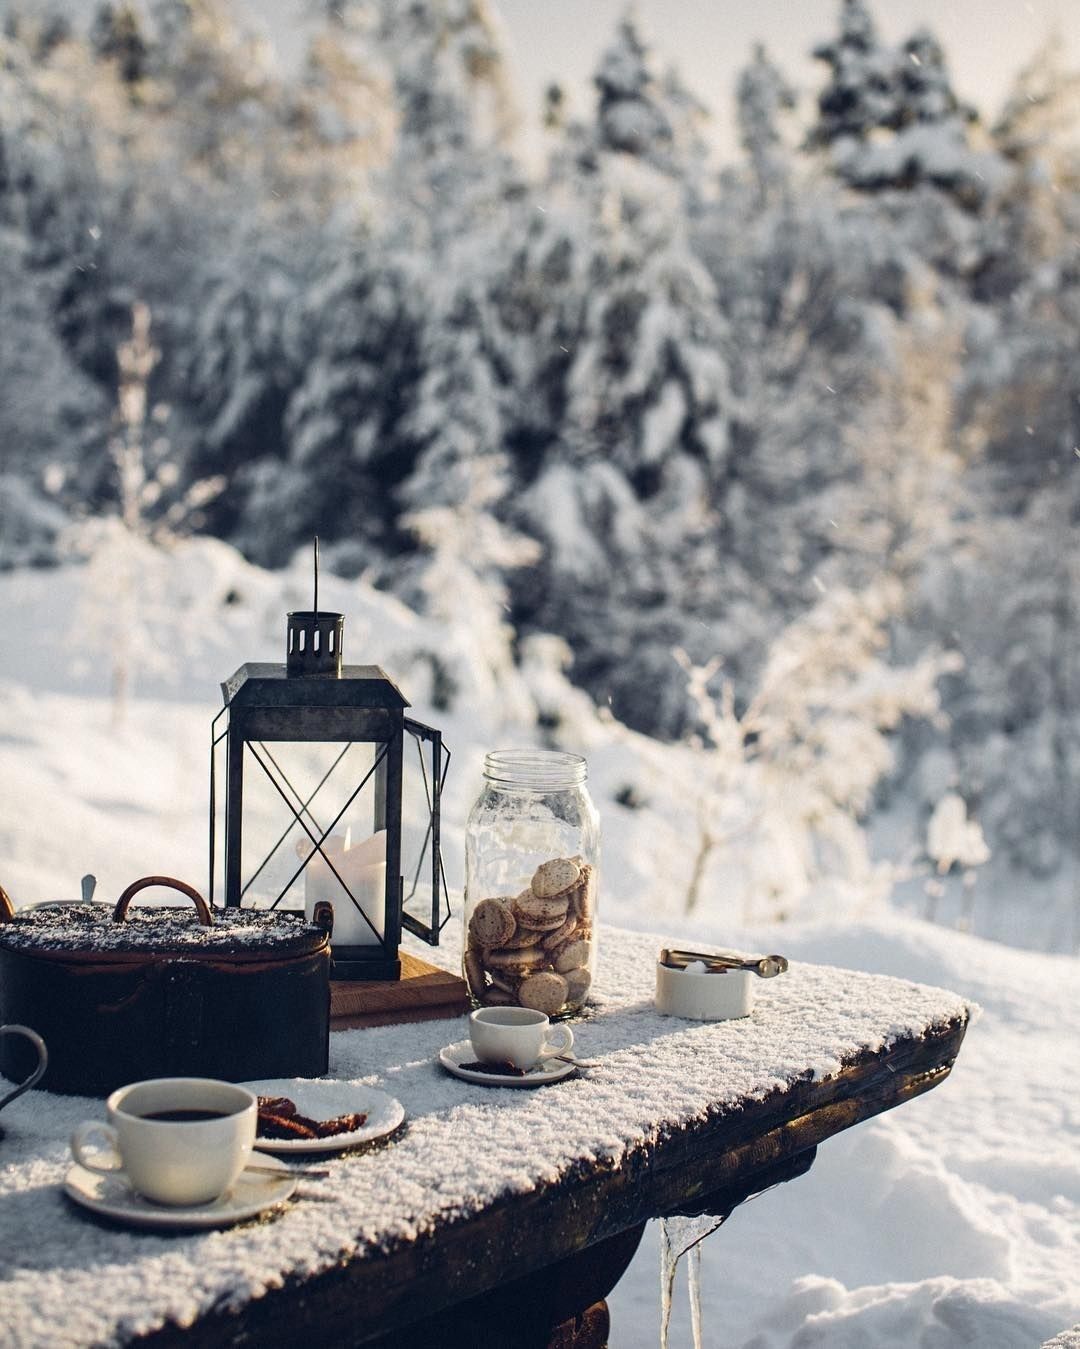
(179,1140)
(516,1035)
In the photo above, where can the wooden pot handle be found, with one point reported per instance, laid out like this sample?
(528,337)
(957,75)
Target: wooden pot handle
(203,910)
(7,909)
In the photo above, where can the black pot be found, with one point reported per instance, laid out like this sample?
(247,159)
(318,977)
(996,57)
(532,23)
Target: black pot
(229,993)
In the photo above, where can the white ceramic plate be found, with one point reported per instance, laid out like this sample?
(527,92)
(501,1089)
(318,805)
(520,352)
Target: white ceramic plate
(548,1070)
(111,1196)
(319,1099)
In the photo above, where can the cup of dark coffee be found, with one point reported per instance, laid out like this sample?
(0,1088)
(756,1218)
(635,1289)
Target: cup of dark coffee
(179,1140)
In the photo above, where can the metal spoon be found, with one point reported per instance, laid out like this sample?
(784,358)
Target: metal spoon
(578,1063)
(308,1172)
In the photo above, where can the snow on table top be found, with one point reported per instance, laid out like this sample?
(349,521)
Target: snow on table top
(66,1279)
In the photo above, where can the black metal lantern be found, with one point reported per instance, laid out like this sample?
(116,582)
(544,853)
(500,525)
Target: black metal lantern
(317,754)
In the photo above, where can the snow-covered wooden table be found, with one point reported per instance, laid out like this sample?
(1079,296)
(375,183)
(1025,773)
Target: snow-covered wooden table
(484,1186)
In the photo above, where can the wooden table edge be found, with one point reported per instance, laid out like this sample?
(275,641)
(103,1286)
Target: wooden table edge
(377,1293)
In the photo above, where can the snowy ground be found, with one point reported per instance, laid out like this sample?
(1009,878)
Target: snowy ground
(952,1221)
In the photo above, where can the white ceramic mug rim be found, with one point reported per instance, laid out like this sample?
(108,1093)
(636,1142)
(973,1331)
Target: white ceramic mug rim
(509,1017)
(245,1100)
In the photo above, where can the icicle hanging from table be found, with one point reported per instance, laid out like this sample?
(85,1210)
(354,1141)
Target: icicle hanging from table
(678,1236)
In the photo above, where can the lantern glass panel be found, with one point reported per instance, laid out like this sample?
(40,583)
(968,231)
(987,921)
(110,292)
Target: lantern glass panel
(425,906)
(313,822)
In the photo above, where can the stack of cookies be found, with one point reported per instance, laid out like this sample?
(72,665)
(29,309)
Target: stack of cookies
(535,949)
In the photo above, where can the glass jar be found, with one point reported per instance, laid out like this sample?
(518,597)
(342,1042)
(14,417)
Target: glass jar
(532,856)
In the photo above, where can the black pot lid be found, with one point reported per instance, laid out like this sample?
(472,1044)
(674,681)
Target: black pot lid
(89,930)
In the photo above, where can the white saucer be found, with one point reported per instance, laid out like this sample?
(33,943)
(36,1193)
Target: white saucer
(321,1099)
(111,1196)
(547,1070)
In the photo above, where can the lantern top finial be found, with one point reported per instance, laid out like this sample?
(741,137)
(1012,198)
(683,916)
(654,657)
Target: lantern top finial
(314,638)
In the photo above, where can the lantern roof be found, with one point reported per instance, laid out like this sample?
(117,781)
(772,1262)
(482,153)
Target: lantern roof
(265,684)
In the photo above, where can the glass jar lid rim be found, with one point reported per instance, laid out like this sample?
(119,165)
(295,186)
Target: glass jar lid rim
(535,767)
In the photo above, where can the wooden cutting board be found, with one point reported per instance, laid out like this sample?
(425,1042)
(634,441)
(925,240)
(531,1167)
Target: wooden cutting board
(423,993)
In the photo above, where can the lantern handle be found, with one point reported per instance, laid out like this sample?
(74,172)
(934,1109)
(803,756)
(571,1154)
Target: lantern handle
(7,909)
(120,912)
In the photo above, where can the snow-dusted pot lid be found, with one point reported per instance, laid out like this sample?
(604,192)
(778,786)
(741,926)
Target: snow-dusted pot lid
(95,933)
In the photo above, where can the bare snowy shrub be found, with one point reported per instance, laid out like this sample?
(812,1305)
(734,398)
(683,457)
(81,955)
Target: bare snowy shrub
(780,786)
(123,601)
(954,843)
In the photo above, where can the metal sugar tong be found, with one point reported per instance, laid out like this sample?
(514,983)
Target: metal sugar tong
(767,967)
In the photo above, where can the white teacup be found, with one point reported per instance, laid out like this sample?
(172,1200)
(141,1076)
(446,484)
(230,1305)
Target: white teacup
(516,1035)
(179,1140)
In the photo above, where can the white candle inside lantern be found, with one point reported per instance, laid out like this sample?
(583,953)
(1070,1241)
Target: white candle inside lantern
(363,869)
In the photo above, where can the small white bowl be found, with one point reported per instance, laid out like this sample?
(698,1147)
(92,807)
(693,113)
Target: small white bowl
(704,996)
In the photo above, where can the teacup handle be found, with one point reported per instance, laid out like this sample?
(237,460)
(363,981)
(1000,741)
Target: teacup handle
(568,1041)
(42,1063)
(92,1131)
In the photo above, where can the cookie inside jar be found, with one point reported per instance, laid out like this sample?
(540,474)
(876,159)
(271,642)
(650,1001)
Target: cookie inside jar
(536,948)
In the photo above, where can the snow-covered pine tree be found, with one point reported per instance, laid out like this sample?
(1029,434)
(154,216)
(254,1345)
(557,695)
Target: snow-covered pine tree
(762,96)
(347,452)
(55,195)
(457,416)
(1041,114)
(1036,131)
(211,82)
(1017,716)
(243,355)
(629,115)
(688,117)
(647,381)
(653,118)
(449,169)
(51,410)
(898,513)
(806,343)
(630,357)
(401,380)
(925,91)
(860,94)
(455,195)
(889,117)
(48,412)
(342,110)
(1022,377)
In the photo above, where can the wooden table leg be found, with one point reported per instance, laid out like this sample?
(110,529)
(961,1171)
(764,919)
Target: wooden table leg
(559,1307)
(588,1330)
